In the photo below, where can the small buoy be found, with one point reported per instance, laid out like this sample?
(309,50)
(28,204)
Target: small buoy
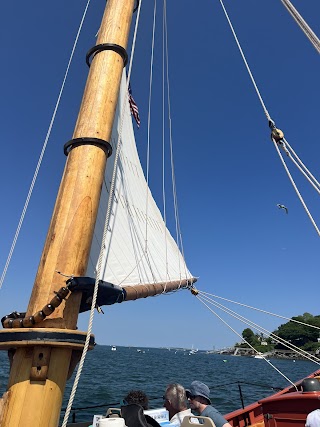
(225,360)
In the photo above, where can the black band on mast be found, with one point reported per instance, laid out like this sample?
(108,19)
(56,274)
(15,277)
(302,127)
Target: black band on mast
(105,145)
(107,46)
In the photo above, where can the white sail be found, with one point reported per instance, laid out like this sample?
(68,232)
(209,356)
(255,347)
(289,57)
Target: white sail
(127,258)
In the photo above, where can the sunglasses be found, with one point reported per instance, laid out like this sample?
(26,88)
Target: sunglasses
(191,396)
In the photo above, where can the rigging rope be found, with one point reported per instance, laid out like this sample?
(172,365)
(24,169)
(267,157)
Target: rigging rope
(149,119)
(259,309)
(24,211)
(144,259)
(297,350)
(295,187)
(302,24)
(173,178)
(166,79)
(245,62)
(96,286)
(163,142)
(230,327)
(259,328)
(281,141)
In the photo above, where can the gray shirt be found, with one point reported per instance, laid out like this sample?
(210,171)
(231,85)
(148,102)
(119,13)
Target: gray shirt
(215,415)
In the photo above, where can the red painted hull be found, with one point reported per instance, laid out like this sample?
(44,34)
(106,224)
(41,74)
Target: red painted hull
(286,408)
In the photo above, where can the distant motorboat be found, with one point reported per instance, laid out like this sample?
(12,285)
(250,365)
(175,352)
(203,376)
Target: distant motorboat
(258,356)
(113,348)
(193,350)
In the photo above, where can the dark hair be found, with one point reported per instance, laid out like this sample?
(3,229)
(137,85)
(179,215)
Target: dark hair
(138,397)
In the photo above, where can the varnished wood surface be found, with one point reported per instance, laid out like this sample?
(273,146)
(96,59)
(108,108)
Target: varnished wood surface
(38,403)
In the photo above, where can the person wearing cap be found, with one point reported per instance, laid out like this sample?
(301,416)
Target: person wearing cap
(175,402)
(199,401)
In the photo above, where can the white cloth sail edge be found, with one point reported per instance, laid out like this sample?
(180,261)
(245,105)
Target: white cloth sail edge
(125,260)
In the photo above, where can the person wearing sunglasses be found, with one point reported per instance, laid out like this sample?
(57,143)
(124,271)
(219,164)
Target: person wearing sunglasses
(200,403)
(175,402)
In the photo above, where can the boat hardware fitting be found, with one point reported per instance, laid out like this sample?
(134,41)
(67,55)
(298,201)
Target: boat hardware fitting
(277,135)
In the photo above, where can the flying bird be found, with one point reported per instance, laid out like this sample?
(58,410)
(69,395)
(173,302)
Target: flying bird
(283,207)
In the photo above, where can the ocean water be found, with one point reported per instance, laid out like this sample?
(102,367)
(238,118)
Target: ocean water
(108,375)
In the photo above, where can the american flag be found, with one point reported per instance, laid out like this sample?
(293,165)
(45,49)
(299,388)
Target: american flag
(134,108)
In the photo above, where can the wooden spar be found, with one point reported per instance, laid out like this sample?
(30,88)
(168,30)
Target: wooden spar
(152,289)
(38,373)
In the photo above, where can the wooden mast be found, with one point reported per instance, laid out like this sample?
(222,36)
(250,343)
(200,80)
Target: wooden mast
(38,373)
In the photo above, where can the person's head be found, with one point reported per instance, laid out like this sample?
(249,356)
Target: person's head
(138,397)
(175,399)
(198,396)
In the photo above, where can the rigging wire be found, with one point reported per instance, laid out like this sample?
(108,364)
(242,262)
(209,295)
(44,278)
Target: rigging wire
(144,256)
(96,286)
(258,309)
(302,24)
(149,119)
(230,327)
(45,143)
(313,181)
(173,179)
(271,122)
(259,328)
(296,188)
(147,255)
(246,63)
(163,142)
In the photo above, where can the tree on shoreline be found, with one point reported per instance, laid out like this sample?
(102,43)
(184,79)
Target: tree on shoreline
(297,333)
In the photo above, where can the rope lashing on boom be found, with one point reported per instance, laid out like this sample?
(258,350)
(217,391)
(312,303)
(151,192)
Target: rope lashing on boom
(107,294)
(18,320)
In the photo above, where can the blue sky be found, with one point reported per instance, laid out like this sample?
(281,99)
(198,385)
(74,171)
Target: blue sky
(229,177)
